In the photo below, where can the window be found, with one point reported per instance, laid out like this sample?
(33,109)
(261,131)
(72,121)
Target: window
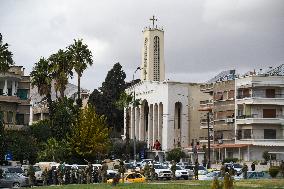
(22,94)
(247,133)
(270,93)
(9,92)
(1,91)
(156,58)
(20,119)
(269,134)
(269,113)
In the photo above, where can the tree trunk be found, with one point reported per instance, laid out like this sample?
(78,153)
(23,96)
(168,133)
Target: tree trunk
(79,101)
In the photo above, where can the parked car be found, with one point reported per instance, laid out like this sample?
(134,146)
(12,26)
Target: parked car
(181,173)
(210,175)
(38,173)
(13,169)
(236,166)
(162,172)
(144,161)
(182,164)
(130,178)
(13,180)
(201,169)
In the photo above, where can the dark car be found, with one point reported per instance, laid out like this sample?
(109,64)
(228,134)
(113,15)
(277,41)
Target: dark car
(13,180)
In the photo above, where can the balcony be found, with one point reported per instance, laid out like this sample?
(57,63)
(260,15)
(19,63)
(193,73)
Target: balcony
(13,99)
(255,119)
(262,142)
(261,100)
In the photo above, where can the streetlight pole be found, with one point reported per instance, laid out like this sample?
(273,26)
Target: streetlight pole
(134,105)
(208,133)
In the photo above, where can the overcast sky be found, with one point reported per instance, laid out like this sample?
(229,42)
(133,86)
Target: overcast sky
(202,37)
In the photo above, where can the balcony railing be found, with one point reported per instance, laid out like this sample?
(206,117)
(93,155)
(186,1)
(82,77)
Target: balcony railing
(260,96)
(258,116)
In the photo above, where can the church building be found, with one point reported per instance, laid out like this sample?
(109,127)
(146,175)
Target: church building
(169,110)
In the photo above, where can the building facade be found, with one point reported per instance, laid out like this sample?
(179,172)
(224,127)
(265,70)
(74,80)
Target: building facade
(260,114)
(15,98)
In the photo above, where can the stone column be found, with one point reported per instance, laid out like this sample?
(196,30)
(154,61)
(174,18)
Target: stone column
(13,88)
(160,122)
(155,123)
(137,120)
(142,124)
(150,126)
(5,89)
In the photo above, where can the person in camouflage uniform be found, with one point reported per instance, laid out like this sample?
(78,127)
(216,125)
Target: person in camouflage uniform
(147,171)
(121,170)
(245,171)
(45,176)
(282,168)
(152,172)
(88,173)
(104,172)
(196,167)
(173,170)
(31,175)
(60,173)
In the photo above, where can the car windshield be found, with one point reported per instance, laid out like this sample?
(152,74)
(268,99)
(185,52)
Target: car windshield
(189,167)
(129,166)
(159,167)
(15,170)
(236,165)
(178,168)
(201,168)
(213,174)
(36,168)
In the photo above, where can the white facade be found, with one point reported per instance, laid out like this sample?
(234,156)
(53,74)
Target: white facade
(153,66)
(260,114)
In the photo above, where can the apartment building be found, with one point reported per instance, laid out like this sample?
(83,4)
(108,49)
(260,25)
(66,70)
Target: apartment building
(15,98)
(260,114)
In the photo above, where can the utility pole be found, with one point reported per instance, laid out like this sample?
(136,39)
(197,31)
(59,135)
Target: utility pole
(134,105)
(208,133)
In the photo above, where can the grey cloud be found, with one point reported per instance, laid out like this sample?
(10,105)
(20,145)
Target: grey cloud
(202,37)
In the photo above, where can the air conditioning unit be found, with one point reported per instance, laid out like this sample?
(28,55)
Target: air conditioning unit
(230,120)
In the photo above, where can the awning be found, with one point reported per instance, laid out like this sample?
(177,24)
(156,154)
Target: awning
(217,146)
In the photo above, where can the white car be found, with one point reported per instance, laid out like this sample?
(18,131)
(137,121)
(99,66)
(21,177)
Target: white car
(162,172)
(181,173)
(210,176)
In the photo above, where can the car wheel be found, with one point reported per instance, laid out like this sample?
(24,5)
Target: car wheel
(185,178)
(16,185)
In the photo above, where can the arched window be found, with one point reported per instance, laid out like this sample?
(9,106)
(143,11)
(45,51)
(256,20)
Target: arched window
(156,58)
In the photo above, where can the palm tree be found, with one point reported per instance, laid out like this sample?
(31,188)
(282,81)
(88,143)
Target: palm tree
(6,59)
(81,57)
(61,70)
(41,78)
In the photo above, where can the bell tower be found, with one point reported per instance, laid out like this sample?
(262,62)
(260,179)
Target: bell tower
(153,67)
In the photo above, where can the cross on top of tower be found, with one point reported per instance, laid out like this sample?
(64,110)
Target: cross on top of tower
(153,19)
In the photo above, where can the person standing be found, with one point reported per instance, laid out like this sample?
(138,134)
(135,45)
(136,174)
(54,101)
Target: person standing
(282,168)
(121,170)
(31,175)
(152,172)
(88,172)
(147,171)
(196,167)
(173,169)
(253,166)
(104,172)
(245,171)
(45,177)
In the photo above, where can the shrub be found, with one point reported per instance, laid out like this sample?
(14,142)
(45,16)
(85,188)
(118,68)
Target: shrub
(273,171)
(175,154)
(216,184)
(266,156)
